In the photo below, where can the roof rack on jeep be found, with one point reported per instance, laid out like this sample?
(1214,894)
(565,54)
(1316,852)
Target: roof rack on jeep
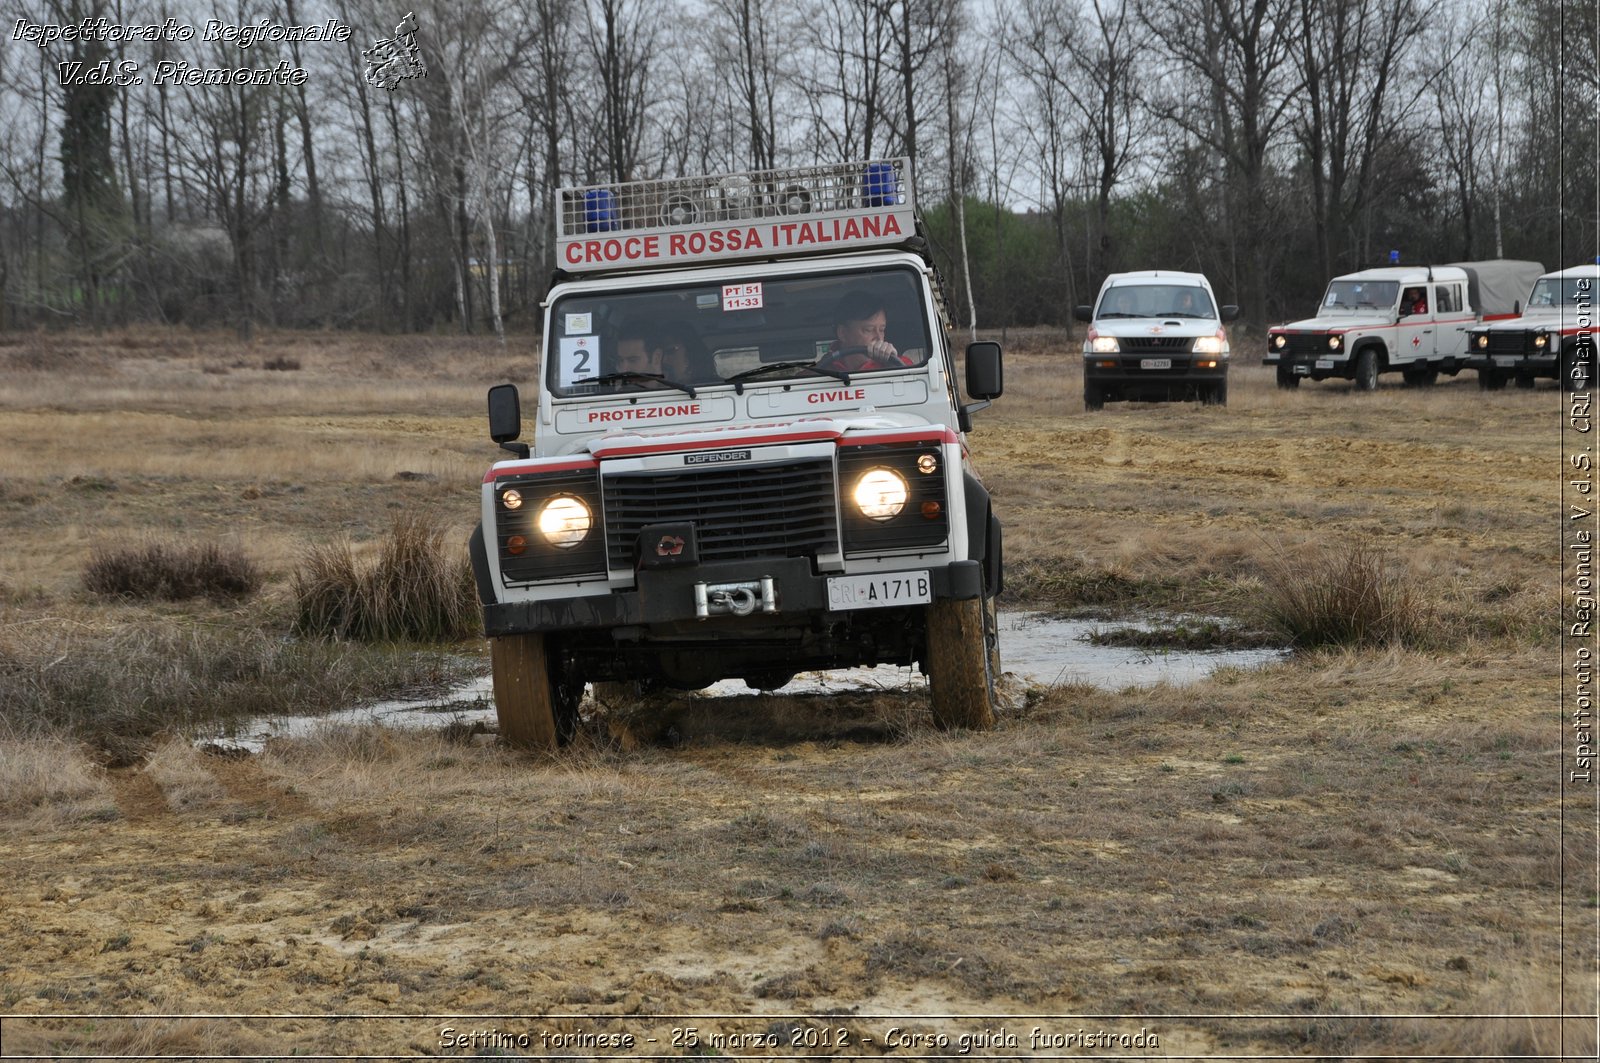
(803,210)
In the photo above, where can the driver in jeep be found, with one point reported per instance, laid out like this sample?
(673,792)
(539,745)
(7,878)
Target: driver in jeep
(859,324)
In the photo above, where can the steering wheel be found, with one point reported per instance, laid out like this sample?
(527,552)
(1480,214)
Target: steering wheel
(874,360)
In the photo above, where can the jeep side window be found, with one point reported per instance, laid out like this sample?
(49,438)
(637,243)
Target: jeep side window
(1449,298)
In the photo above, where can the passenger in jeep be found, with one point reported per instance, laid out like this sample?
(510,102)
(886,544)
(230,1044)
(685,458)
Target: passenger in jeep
(637,352)
(859,326)
(684,357)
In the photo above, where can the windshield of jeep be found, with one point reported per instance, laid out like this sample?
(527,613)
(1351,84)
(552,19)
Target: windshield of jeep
(769,329)
(1555,291)
(1156,300)
(1361,295)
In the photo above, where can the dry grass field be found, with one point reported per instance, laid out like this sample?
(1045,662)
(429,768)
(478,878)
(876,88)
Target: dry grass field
(1361,851)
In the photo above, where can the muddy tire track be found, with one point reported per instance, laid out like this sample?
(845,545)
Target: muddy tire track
(244,781)
(139,797)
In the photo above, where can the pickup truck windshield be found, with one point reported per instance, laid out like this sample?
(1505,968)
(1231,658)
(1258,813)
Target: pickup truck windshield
(1156,300)
(1361,295)
(769,329)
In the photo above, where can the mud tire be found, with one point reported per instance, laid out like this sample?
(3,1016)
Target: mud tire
(1489,380)
(1420,378)
(1286,379)
(1094,397)
(1366,375)
(769,681)
(535,702)
(1216,394)
(963,657)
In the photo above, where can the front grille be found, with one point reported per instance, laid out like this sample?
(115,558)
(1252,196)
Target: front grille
(748,511)
(1509,343)
(1306,343)
(1154,344)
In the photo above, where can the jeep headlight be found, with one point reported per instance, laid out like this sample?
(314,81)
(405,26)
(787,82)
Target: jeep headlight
(1334,342)
(1105,345)
(1483,341)
(1279,342)
(1541,341)
(881,494)
(564,522)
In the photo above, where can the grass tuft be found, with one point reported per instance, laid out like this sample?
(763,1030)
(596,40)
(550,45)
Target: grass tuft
(117,690)
(416,588)
(1350,598)
(156,571)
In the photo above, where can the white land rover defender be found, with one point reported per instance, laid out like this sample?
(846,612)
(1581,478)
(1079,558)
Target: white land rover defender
(1154,335)
(1554,337)
(1407,318)
(749,453)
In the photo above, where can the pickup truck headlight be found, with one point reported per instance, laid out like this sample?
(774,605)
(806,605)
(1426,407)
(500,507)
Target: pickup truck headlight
(881,494)
(1210,345)
(565,522)
(1105,345)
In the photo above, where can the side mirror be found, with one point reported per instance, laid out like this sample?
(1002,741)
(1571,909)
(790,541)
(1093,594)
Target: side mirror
(1229,313)
(1083,313)
(505,418)
(985,379)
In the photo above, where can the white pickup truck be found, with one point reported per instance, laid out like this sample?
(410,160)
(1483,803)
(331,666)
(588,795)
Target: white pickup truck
(1408,319)
(749,455)
(1155,335)
(1554,337)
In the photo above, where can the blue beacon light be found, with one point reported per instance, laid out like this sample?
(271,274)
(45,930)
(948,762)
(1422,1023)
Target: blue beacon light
(600,211)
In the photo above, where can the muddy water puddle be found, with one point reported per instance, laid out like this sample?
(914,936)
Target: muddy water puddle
(1035,648)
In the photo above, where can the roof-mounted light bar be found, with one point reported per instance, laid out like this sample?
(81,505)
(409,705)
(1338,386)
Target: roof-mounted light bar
(752,214)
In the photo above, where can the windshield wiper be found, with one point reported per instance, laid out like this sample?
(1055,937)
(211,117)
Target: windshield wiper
(622,378)
(1117,313)
(1180,313)
(761,370)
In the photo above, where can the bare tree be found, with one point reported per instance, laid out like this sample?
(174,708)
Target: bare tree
(841,83)
(1231,90)
(1349,56)
(748,51)
(623,37)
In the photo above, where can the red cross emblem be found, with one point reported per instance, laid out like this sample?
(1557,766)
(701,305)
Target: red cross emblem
(1416,341)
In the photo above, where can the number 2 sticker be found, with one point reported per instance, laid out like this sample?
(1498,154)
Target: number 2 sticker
(580,359)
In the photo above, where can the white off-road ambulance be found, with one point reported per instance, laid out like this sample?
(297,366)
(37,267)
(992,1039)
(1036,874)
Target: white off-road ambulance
(749,454)
(1554,337)
(1408,319)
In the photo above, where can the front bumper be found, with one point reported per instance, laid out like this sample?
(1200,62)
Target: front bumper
(1310,365)
(667,598)
(1130,378)
(1514,364)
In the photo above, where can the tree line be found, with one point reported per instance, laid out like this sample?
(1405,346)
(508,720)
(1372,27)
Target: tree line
(1267,143)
